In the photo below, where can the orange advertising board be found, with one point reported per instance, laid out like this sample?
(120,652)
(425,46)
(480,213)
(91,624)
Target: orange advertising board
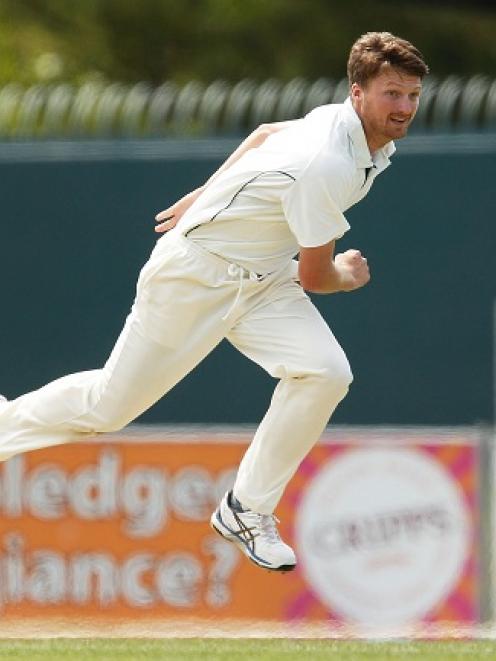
(119,528)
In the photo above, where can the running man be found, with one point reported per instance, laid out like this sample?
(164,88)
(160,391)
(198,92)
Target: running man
(224,269)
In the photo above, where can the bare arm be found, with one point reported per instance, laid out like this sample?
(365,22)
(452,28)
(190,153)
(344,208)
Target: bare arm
(169,217)
(323,273)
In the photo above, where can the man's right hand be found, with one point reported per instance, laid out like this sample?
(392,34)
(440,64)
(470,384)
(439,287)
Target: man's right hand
(168,218)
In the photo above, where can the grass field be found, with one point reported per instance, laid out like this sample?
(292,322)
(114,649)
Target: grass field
(244,650)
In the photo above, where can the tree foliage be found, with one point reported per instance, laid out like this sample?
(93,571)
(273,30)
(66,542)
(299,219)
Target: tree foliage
(155,40)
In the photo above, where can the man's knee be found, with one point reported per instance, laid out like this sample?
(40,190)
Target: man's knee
(336,376)
(110,422)
(109,426)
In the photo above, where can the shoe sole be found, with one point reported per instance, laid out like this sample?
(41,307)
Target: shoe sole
(231,537)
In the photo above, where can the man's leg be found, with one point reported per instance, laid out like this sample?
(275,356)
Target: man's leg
(175,322)
(289,338)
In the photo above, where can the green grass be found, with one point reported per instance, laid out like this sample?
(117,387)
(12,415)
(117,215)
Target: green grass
(244,649)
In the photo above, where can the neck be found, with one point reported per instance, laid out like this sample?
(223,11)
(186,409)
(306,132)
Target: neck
(374,143)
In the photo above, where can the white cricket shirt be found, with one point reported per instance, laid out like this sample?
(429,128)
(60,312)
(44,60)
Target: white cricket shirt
(291,191)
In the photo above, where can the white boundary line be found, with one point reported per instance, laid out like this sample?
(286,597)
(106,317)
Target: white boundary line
(242,434)
(45,628)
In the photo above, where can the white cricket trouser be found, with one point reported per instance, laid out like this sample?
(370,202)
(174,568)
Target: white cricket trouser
(187,301)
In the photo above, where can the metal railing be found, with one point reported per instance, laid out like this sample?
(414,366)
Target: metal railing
(452,104)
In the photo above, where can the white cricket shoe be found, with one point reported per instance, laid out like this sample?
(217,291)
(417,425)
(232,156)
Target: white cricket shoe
(3,399)
(255,534)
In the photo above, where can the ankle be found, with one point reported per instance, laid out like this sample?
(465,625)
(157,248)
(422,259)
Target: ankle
(234,503)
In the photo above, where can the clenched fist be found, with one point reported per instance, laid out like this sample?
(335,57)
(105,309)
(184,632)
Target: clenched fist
(353,269)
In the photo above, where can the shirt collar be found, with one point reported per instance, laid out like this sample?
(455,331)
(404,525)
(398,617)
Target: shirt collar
(360,148)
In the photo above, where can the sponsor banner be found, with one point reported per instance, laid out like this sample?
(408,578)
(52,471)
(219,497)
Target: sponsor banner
(388,535)
(385,528)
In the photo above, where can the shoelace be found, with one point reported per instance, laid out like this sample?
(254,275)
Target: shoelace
(268,525)
(253,524)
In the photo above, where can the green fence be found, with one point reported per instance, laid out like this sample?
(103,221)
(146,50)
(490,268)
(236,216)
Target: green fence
(77,224)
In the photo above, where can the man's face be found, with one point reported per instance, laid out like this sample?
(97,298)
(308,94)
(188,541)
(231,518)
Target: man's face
(386,105)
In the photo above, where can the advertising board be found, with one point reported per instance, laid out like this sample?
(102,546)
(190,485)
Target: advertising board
(384,524)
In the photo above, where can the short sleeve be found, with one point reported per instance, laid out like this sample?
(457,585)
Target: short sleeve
(311,209)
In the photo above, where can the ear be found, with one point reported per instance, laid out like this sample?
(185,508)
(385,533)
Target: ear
(356,92)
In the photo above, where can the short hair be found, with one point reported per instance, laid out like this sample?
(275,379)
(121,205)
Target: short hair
(374,50)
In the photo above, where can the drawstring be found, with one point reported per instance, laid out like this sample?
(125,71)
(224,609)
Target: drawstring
(235,271)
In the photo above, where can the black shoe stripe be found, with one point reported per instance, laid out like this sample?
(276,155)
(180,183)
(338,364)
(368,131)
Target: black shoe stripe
(250,552)
(245,533)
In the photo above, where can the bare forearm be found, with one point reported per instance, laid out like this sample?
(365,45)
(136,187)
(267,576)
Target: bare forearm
(322,273)
(329,283)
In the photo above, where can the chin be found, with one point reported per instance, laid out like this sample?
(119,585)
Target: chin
(398,134)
